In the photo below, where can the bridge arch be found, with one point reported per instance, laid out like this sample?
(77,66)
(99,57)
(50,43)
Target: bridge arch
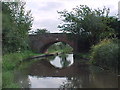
(39,43)
(47,45)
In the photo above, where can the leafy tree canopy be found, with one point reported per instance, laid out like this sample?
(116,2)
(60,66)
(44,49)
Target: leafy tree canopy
(16,22)
(85,22)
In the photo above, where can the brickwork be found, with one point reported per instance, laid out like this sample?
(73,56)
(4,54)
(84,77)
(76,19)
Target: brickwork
(40,43)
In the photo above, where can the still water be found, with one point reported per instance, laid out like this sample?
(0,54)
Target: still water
(63,71)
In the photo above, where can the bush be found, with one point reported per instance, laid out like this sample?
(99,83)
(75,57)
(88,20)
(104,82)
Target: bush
(105,54)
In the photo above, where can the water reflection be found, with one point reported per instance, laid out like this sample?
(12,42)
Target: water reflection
(47,82)
(91,81)
(63,60)
(22,79)
(41,74)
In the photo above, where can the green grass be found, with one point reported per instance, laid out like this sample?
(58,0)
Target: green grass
(11,60)
(66,50)
(9,64)
(8,80)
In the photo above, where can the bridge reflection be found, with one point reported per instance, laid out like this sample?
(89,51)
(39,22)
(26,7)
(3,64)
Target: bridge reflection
(42,74)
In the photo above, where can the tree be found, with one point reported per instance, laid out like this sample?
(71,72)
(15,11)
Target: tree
(86,23)
(41,31)
(115,24)
(16,24)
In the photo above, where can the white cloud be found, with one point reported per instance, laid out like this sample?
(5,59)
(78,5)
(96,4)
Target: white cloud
(45,11)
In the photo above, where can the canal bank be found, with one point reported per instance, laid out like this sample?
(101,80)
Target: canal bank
(11,61)
(14,61)
(63,68)
(62,71)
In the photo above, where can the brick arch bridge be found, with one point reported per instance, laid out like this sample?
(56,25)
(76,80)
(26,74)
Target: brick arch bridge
(40,43)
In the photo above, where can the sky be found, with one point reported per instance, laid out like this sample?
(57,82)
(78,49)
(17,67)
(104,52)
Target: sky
(45,13)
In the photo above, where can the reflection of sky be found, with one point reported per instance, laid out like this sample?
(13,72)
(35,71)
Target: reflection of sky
(56,62)
(46,82)
(70,58)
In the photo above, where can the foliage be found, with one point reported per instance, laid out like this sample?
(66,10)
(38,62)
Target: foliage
(85,55)
(116,25)
(105,54)
(15,25)
(39,31)
(11,61)
(85,22)
(60,47)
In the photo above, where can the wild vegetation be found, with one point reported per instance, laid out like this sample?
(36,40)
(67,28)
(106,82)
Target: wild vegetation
(60,47)
(92,25)
(105,54)
(95,26)
(16,23)
(98,28)
(10,63)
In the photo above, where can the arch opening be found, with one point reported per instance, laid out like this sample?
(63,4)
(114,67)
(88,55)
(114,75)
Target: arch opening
(57,46)
(64,57)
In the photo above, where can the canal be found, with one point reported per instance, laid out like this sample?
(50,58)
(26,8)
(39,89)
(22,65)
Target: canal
(63,71)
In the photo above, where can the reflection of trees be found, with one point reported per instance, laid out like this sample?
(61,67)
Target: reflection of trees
(22,79)
(91,80)
(63,60)
(81,80)
(104,80)
(76,82)
(51,58)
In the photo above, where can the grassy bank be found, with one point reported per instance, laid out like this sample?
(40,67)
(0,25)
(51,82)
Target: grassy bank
(10,63)
(60,51)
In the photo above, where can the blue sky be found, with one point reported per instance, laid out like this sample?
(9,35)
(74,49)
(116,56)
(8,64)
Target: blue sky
(45,13)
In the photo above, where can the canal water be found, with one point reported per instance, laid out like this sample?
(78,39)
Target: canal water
(63,71)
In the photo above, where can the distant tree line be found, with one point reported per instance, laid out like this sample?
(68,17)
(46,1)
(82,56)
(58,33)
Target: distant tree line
(60,47)
(39,31)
